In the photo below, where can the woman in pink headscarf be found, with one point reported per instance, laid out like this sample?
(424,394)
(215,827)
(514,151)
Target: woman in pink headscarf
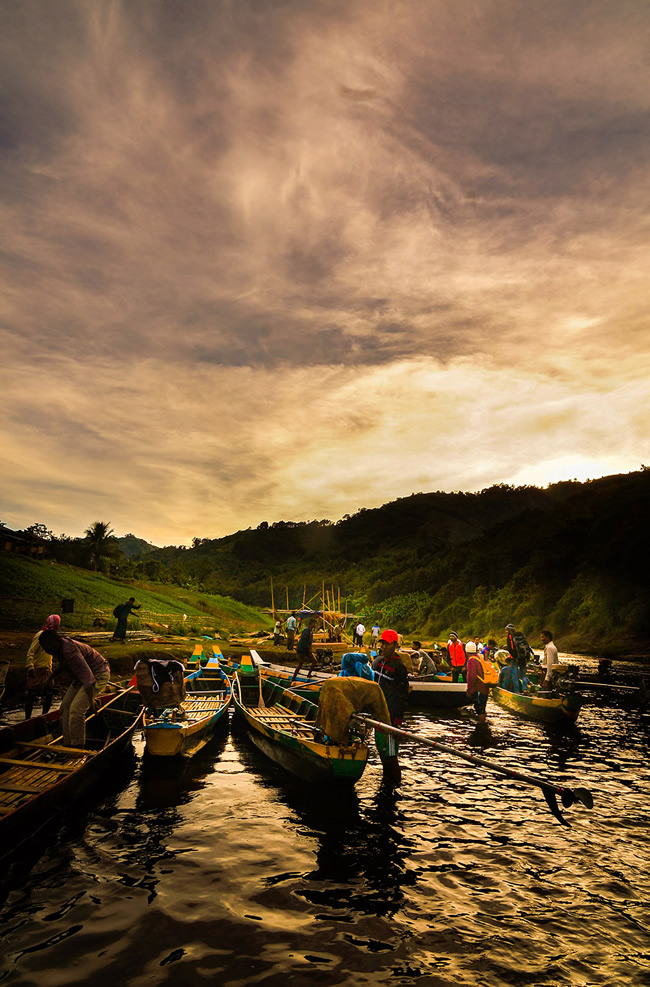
(38,664)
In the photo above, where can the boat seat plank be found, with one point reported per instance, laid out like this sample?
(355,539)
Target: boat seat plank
(30,789)
(40,764)
(48,746)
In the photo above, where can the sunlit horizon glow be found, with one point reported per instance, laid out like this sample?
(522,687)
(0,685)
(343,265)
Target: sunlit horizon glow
(284,260)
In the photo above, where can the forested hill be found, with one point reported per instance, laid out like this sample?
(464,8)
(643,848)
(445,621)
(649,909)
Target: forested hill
(573,556)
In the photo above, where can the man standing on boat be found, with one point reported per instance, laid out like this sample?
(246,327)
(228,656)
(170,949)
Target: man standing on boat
(305,649)
(457,658)
(90,673)
(392,677)
(550,658)
(291,630)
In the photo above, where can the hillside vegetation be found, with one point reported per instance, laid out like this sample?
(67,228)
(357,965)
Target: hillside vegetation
(572,557)
(30,590)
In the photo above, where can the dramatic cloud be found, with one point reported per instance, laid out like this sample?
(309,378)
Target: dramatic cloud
(269,260)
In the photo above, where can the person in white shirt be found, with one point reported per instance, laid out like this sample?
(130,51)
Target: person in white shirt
(291,630)
(550,658)
(360,631)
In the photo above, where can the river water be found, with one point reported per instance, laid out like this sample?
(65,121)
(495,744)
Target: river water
(233,873)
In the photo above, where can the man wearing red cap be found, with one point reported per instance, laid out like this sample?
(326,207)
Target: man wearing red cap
(392,677)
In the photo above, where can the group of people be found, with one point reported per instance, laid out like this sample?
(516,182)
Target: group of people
(89,670)
(391,668)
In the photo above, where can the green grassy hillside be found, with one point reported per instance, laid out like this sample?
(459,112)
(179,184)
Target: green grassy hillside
(30,590)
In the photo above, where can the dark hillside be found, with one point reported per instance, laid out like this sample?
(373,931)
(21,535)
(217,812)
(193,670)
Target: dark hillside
(572,556)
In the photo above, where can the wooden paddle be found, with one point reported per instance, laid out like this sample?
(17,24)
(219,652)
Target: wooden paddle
(550,790)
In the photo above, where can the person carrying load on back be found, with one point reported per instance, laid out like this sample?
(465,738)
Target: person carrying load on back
(392,677)
(38,664)
(481,674)
(518,647)
(457,658)
(90,673)
(122,611)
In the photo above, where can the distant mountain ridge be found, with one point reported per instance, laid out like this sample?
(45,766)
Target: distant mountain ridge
(134,547)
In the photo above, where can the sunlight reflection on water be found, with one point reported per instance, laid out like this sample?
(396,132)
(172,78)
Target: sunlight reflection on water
(234,873)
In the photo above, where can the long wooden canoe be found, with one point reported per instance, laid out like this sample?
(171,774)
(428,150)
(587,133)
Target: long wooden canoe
(185,729)
(39,776)
(281,725)
(557,711)
(428,690)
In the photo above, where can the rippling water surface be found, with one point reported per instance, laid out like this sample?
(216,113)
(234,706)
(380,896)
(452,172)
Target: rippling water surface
(233,873)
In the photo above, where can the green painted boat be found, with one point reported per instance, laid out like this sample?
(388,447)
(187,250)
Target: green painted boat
(428,690)
(281,725)
(554,710)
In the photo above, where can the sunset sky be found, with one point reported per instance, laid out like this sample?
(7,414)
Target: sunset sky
(284,259)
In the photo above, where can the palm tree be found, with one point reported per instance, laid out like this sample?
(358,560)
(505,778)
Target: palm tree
(101,539)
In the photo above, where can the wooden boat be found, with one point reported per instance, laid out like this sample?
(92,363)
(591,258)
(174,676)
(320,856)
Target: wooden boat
(186,728)
(39,776)
(430,690)
(281,725)
(554,710)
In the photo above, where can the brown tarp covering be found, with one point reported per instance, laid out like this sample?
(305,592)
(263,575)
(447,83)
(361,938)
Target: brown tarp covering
(341,697)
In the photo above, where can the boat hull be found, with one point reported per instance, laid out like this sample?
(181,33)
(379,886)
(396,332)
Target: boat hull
(204,707)
(310,761)
(431,692)
(556,712)
(441,695)
(63,783)
(281,727)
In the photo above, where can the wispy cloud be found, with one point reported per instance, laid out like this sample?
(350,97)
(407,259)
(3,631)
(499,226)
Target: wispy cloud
(285,260)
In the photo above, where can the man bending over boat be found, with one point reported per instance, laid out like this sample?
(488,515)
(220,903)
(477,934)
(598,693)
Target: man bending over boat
(392,677)
(305,649)
(90,673)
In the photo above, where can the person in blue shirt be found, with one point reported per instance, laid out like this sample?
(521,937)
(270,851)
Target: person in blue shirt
(509,676)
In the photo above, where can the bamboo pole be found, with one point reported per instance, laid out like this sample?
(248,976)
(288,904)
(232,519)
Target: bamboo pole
(272,599)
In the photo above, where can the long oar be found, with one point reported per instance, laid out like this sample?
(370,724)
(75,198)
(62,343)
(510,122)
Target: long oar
(609,685)
(550,790)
